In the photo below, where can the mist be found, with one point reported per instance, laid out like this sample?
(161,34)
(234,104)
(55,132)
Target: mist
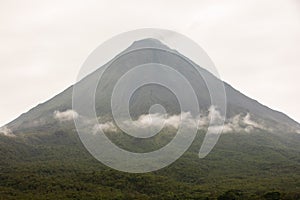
(6,132)
(67,115)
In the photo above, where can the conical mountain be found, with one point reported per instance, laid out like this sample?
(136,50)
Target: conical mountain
(256,157)
(152,51)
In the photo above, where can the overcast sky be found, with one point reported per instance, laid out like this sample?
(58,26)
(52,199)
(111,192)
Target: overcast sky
(255,45)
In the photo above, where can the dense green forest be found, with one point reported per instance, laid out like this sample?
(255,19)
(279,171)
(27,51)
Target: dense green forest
(55,165)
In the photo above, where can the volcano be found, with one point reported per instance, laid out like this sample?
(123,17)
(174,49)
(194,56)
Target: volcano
(257,155)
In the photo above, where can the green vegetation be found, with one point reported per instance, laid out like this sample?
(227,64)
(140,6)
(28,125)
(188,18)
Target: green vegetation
(55,165)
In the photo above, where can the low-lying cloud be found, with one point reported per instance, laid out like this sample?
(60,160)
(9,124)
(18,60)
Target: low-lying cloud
(159,120)
(238,123)
(6,132)
(241,123)
(150,122)
(106,127)
(67,115)
(213,119)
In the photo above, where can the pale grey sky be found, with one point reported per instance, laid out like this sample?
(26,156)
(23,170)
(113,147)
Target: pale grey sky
(255,45)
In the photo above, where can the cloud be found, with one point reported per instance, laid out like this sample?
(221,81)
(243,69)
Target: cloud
(158,120)
(6,132)
(216,122)
(67,115)
(238,123)
(213,119)
(149,122)
(106,127)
